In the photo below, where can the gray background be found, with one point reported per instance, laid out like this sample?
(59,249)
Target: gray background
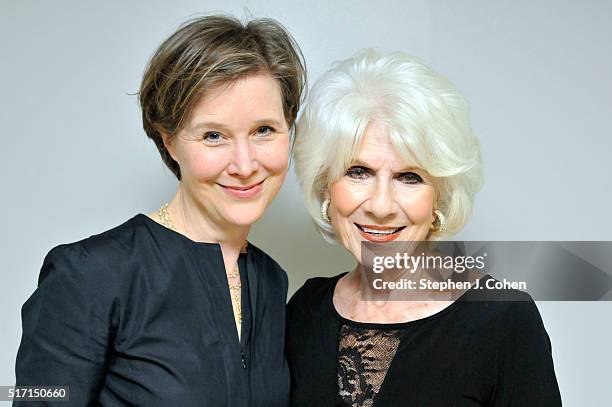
(75,160)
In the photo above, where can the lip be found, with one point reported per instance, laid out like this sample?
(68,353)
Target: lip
(382,238)
(242,191)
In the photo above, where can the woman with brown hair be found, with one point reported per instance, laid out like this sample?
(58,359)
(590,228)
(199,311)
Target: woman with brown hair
(175,308)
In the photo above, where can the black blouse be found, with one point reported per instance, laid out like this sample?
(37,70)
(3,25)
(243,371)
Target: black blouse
(476,352)
(142,315)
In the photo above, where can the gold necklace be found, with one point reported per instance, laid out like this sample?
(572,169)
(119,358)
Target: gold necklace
(164,218)
(235,288)
(235,294)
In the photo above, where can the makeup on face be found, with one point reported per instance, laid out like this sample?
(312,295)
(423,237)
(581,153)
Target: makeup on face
(234,152)
(377,233)
(243,192)
(381,197)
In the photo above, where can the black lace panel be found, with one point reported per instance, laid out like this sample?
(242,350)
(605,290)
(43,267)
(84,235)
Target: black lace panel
(364,355)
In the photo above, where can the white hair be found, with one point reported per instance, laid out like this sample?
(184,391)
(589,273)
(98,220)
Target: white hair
(426,117)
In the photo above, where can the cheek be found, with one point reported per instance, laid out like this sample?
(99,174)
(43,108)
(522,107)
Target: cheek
(274,156)
(204,165)
(418,205)
(347,197)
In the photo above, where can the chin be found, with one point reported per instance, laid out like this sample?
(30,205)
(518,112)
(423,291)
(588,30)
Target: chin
(244,216)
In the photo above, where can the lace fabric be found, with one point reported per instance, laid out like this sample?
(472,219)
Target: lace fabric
(364,356)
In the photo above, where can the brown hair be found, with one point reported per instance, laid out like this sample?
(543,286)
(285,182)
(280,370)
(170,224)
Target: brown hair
(210,51)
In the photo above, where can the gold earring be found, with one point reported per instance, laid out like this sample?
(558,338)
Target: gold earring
(441,220)
(324,208)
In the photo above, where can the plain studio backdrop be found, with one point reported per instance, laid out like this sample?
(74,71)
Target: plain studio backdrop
(75,160)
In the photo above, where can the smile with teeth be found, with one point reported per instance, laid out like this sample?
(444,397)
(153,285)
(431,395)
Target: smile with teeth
(379,233)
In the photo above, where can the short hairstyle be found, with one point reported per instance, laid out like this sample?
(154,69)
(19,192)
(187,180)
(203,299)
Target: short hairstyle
(208,52)
(426,118)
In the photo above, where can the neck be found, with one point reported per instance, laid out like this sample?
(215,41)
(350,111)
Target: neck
(382,287)
(198,223)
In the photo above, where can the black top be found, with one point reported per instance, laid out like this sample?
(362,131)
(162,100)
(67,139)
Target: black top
(245,305)
(142,315)
(475,352)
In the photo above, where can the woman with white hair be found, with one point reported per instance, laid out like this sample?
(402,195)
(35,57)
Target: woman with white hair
(385,153)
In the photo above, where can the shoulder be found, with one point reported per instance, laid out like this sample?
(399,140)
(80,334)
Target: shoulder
(269,276)
(122,238)
(314,289)
(267,267)
(84,276)
(316,286)
(507,311)
(96,257)
(522,316)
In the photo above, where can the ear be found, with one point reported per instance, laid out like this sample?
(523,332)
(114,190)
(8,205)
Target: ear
(168,143)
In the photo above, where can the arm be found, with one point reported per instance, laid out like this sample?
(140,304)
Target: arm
(68,327)
(526,375)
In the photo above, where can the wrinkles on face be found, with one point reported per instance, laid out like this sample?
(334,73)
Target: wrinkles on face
(380,189)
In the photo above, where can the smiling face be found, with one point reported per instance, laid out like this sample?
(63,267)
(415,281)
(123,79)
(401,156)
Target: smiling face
(381,198)
(233,150)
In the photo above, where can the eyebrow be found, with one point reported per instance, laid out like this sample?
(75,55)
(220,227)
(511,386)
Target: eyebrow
(213,125)
(268,121)
(359,163)
(221,126)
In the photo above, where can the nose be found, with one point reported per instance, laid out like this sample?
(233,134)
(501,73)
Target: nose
(244,160)
(381,203)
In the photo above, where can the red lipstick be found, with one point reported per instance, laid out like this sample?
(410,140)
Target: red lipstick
(376,233)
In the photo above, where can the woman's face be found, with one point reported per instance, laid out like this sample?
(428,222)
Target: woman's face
(233,150)
(381,198)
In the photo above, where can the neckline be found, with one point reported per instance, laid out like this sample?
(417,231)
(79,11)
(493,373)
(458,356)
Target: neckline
(181,236)
(392,325)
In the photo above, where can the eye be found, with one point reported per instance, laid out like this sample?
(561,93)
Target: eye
(410,178)
(212,137)
(264,131)
(358,172)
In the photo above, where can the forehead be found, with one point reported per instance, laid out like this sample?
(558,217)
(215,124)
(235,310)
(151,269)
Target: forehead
(254,95)
(377,150)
